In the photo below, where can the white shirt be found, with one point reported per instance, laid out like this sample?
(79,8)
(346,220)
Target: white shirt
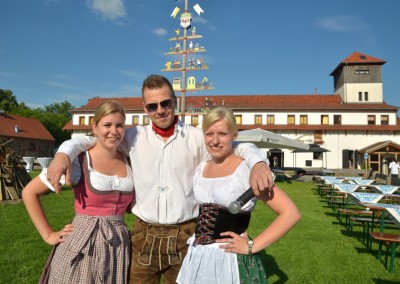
(163,172)
(394,168)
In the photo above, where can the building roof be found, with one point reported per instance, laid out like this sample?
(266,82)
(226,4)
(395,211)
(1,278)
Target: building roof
(131,103)
(265,102)
(358,58)
(30,128)
(380,145)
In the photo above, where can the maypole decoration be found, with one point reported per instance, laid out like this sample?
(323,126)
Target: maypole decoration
(186,58)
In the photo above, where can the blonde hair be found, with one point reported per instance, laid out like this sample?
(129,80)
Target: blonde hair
(107,108)
(218,113)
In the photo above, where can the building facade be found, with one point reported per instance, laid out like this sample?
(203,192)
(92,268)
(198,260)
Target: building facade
(25,136)
(353,127)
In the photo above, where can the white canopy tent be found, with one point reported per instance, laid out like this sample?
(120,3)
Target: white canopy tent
(267,139)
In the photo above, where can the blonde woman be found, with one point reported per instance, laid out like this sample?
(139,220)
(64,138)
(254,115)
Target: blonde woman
(95,247)
(220,250)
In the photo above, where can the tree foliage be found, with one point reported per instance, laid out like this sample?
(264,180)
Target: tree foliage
(7,100)
(54,117)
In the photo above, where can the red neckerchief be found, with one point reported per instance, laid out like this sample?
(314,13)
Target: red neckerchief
(166,132)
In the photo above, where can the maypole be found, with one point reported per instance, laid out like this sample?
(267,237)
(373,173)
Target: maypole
(181,51)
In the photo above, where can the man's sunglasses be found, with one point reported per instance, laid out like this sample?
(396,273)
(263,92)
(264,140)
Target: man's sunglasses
(165,105)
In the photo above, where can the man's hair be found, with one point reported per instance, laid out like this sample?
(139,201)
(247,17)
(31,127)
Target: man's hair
(154,81)
(217,114)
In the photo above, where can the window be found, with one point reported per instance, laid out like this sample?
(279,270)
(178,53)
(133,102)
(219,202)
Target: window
(384,119)
(317,155)
(32,146)
(318,137)
(371,119)
(146,119)
(91,120)
(337,119)
(291,119)
(303,119)
(81,120)
(270,119)
(324,119)
(360,96)
(362,72)
(257,119)
(135,119)
(194,120)
(238,119)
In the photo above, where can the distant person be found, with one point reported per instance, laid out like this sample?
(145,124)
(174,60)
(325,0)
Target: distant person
(95,247)
(276,160)
(220,251)
(164,157)
(394,170)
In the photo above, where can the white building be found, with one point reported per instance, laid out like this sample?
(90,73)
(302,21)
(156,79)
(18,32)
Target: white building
(352,122)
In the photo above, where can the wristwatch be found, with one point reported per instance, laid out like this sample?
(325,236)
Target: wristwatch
(250,246)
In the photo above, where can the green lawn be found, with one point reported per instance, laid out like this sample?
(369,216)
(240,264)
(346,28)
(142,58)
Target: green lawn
(317,250)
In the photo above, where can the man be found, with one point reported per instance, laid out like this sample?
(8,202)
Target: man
(394,171)
(164,157)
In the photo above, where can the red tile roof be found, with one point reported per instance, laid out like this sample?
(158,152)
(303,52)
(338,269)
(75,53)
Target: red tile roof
(358,58)
(265,103)
(315,102)
(129,104)
(30,128)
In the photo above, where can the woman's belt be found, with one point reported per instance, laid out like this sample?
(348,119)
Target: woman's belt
(214,219)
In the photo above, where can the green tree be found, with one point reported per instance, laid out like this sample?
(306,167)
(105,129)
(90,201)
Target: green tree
(7,100)
(54,118)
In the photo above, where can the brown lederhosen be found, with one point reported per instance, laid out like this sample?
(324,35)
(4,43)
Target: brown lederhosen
(158,249)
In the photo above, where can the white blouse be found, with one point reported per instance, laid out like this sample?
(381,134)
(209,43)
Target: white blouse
(99,181)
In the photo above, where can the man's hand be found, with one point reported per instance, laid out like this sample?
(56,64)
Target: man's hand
(261,178)
(58,166)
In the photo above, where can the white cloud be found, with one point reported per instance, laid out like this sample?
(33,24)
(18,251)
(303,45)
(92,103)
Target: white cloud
(131,74)
(108,9)
(199,20)
(160,32)
(60,85)
(342,23)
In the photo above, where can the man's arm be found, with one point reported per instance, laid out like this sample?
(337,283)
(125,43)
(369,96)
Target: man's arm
(260,176)
(67,152)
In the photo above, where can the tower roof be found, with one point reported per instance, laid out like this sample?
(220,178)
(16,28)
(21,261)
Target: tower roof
(358,58)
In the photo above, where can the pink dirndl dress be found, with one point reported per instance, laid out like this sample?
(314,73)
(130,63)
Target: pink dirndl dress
(98,250)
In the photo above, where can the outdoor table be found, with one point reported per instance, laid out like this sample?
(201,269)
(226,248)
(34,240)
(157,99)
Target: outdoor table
(364,181)
(346,187)
(366,197)
(334,181)
(394,210)
(354,178)
(386,189)
(44,161)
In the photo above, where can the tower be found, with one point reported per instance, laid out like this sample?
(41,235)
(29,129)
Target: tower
(358,79)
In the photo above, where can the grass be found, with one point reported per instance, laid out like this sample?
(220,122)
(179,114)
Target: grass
(317,250)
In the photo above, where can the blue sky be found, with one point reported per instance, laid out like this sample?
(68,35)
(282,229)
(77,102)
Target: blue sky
(62,50)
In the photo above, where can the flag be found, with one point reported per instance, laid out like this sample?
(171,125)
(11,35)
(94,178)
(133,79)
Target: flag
(198,9)
(176,11)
